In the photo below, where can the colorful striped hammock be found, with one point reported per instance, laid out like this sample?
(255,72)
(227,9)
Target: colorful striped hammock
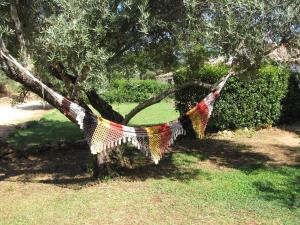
(103,135)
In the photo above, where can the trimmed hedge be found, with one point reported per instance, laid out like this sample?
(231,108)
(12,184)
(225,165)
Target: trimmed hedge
(133,90)
(243,103)
(291,103)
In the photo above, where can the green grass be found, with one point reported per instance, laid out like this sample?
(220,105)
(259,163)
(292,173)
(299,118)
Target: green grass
(192,196)
(51,127)
(177,191)
(158,113)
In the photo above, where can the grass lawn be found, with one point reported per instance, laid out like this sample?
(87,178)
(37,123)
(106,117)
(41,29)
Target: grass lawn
(215,186)
(158,113)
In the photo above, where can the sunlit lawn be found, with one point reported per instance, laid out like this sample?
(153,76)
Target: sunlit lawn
(158,113)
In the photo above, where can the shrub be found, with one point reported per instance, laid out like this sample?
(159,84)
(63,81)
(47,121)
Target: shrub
(133,90)
(291,103)
(243,103)
(7,85)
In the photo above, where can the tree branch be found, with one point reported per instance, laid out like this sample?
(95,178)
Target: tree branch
(83,75)
(69,84)
(57,70)
(19,76)
(103,107)
(18,30)
(158,98)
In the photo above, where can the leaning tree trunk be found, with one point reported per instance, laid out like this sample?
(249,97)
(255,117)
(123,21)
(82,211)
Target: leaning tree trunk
(100,167)
(104,109)
(16,75)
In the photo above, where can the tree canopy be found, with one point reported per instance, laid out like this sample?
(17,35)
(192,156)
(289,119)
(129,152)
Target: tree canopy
(84,44)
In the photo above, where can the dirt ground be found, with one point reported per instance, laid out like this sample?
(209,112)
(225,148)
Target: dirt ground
(12,116)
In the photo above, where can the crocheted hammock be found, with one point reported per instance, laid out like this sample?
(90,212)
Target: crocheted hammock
(103,135)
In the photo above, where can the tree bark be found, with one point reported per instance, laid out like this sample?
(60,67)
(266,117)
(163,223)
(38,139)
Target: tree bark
(19,76)
(81,77)
(18,30)
(102,106)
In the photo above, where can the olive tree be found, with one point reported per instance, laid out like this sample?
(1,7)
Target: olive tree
(76,47)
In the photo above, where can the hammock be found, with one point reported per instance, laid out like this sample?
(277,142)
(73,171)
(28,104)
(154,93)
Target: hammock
(103,135)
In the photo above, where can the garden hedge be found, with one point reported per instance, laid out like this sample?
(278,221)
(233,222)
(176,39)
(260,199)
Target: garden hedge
(269,97)
(133,90)
(291,102)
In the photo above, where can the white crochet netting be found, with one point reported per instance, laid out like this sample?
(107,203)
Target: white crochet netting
(101,137)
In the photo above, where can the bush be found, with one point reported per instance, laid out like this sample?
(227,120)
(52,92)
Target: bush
(243,103)
(3,81)
(133,90)
(291,103)
(7,85)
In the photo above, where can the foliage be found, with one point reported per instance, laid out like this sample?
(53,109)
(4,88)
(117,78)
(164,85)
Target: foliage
(71,38)
(5,30)
(7,85)
(133,90)
(187,97)
(2,84)
(123,39)
(3,78)
(243,103)
(112,39)
(246,30)
(291,109)
(146,35)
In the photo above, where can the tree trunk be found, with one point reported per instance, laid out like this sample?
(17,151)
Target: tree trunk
(18,30)
(100,168)
(16,75)
(104,108)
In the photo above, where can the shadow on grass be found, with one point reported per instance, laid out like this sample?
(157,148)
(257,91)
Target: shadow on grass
(169,167)
(43,131)
(64,166)
(181,162)
(225,153)
(287,193)
(69,165)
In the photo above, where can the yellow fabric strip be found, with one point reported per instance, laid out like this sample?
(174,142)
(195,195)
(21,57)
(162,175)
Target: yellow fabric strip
(195,118)
(154,143)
